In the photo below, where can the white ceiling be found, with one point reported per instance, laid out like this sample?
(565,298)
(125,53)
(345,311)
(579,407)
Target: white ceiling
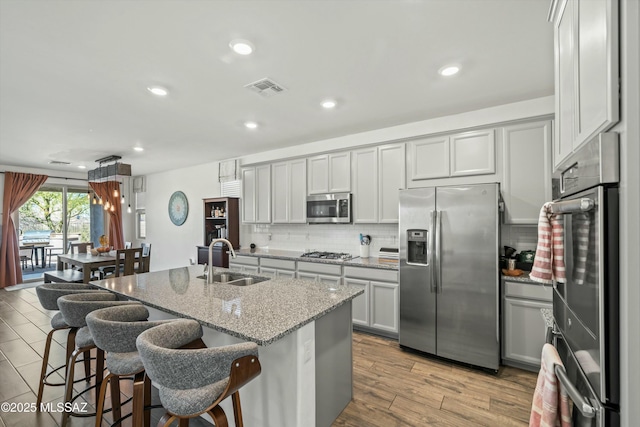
(73,74)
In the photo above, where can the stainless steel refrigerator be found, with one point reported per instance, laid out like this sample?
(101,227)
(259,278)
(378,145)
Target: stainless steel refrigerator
(449,283)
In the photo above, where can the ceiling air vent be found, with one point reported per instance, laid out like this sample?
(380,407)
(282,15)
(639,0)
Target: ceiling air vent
(266,87)
(58,162)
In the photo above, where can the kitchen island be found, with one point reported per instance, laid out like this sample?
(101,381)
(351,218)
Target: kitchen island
(303,329)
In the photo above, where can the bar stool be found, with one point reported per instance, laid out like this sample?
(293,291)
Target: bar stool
(114,331)
(192,382)
(48,296)
(74,309)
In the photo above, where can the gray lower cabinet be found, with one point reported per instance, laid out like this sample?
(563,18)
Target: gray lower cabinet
(377,309)
(523,328)
(245,263)
(280,268)
(330,274)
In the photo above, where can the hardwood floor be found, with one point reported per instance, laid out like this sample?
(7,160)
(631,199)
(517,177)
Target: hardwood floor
(393,387)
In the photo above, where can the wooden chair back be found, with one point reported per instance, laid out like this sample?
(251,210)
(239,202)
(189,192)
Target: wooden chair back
(129,261)
(80,248)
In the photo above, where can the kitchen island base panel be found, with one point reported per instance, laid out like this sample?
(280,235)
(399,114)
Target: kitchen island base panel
(304,374)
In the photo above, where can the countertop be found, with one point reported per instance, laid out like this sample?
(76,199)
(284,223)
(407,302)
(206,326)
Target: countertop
(263,312)
(524,278)
(295,255)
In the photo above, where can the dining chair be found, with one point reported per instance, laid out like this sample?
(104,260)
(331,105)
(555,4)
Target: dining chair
(26,254)
(129,261)
(80,248)
(127,245)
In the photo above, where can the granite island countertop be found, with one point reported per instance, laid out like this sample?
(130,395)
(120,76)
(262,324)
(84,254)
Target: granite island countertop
(370,262)
(263,312)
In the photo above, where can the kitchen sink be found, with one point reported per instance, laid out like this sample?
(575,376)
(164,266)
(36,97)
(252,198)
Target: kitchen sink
(236,279)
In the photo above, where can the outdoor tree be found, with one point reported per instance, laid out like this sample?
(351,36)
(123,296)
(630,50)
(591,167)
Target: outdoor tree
(44,210)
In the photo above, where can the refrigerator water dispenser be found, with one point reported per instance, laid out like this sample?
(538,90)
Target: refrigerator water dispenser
(417,247)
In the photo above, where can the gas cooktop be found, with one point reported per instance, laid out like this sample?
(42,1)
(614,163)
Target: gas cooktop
(342,256)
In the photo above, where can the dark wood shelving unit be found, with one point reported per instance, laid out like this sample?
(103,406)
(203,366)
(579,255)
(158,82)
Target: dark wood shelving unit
(226,225)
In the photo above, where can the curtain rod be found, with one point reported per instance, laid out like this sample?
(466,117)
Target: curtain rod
(51,176)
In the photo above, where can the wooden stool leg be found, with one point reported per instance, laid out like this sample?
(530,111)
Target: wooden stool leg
(43,371)
(99,367)
(68,394)
(86,358)
(115,398)
(219,417)
(237,409)
(100,402)
(139,401)
(184,422)
(71,345)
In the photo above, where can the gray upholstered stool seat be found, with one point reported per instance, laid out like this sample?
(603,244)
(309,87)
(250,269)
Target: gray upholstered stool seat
(194,381)
(48,296)
(115,330)
(74,309)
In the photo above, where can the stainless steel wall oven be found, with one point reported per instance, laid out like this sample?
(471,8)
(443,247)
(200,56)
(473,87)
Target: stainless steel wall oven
(586,306)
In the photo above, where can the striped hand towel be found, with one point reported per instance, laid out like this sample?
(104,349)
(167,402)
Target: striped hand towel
(550,406)
(549,261)
(580,229)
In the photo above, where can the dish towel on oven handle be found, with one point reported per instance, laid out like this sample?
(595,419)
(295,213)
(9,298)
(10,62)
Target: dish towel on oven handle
(548,264)
(550,406)
(582,245)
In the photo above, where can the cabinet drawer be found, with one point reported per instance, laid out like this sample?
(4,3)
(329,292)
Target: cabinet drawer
(245,260)
(371,274)
(320,268)
(278,263)
(528,291)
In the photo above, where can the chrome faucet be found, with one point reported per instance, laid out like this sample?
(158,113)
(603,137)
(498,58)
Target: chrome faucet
(213,242)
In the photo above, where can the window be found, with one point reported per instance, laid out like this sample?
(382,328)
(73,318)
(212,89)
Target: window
(141,224)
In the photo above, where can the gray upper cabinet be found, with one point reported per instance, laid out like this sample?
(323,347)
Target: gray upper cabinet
(256,194)
(289,191)
(586,72)
(378,174)
(329,173)
(527,170)
(451,156)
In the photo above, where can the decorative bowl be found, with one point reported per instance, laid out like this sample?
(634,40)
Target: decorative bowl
(513,273)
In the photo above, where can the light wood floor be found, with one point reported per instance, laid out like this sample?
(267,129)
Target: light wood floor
(393,387)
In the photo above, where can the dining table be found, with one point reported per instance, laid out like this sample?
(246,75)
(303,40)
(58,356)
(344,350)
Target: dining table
(87,262)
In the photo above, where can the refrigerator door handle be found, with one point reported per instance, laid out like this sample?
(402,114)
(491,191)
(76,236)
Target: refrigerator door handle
(438,217)
(431,257)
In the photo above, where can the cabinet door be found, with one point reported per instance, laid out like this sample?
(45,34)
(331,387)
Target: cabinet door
(248,195)
(527,171)
(428,158)
(365,185)
(340,172)
(286,274)
(391,178)
(384,306)
(269,270)
(318,174)
(334,281)
(251,269)
(524,330)
(360,304)
(565,79)
(280,192)
(263,194)
(297,180)
(596,57)
(473,153)
(307,276)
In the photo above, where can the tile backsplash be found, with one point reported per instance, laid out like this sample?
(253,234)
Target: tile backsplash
(320,237)
(345,238)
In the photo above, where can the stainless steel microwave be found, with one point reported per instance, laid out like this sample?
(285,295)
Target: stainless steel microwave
(332,208)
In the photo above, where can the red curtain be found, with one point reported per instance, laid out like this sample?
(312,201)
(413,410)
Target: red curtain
(18,188)
(105,190)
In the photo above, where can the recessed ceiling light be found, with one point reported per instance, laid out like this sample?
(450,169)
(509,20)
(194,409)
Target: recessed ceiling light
(328,103)
(138,148)
(241,47)
(82,166)
(250,125)
(157,90)
(449,70)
